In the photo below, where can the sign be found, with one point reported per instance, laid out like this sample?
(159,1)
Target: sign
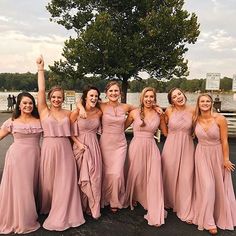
(234,83)
(212,81)
(70,97)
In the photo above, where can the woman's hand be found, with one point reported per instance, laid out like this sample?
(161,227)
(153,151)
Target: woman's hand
(158,110)
(228,165)
(40,63)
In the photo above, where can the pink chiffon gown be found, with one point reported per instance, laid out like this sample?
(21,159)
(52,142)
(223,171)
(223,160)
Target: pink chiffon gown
(19,183)
(113,147)
(89,164)
(214,198)
(178,165)
(59,193)
(144,178)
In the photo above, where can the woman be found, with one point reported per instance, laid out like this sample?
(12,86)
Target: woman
(20,175)
(59,193)
(87,151)
(113,145)
(144,178)
(178,156)
(214,199)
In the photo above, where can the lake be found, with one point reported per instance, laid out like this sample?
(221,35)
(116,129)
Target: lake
(228,100)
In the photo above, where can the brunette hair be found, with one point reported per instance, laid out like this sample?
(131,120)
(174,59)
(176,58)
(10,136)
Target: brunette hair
(142,94)
(169,95)
(56,88)
(17,111)
(85,92)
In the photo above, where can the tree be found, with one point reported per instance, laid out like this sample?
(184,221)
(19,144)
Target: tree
(120,38)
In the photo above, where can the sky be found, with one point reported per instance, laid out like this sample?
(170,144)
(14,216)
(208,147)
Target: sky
(26,32)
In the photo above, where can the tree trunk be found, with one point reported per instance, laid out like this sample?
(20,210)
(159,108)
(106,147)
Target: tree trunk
(124,90)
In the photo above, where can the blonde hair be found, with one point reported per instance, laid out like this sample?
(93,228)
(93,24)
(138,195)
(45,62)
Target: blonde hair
(197,112)
(142,94)
(54,89)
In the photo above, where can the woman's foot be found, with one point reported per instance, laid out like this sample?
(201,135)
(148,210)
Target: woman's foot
(113,209)
(213,231)
(189,222)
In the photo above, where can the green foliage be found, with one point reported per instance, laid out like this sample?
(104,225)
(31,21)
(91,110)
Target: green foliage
(121,38)
(28,82)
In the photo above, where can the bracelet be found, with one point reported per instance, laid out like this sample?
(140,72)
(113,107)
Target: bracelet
(40,69)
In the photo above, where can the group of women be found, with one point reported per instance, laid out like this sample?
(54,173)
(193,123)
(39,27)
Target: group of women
(65,179)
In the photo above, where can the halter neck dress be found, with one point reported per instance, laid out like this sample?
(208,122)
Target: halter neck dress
(113,146)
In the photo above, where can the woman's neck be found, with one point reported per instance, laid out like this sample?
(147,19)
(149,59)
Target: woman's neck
(180,108)
(113,103)
(206,115)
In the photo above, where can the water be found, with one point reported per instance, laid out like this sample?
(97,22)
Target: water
(228,100)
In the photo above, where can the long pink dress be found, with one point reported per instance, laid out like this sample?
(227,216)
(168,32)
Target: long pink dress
(59,193)
(178,165)
(89,164)
(144,179)
(114,147)
(20,179)
(214,199)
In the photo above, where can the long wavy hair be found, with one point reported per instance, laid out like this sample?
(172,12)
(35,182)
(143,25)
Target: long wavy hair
(197,112)
(16,113)
(142,94)
(169,95)
(85,93)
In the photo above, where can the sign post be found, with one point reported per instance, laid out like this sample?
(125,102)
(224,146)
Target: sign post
(212,81)
(234,83)
(70,98)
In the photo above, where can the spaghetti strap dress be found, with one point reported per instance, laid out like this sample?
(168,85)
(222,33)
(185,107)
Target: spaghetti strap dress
(113,146)
(19,184)
(144,179)
(214,198)
(59,193)
(178,165)
(89,164)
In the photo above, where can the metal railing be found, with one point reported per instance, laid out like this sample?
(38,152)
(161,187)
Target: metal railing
(231,120)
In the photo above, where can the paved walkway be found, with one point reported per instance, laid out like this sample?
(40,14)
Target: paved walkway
(125,222)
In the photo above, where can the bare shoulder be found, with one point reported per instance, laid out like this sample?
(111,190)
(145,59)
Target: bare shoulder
(99,112)
(219,118)
(168,110)
(66,112)
(190,108)
(126,107)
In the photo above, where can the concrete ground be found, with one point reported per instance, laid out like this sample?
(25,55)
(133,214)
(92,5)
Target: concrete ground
(125,222)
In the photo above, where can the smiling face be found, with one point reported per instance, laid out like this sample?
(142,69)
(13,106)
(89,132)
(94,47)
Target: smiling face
(92,98)
(26,105)
(178,98)
(113,93)
(205,103)
(56,98)
(149,99)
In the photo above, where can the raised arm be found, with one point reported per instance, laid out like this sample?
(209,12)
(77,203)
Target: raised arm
(221,121)
(42,104)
